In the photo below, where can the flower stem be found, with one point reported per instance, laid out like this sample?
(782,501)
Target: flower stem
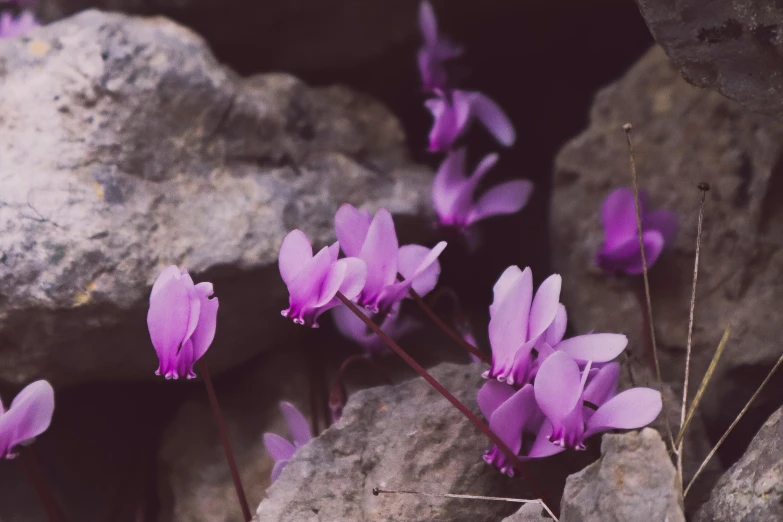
(449,331)
(224,440)
(512,456)
(41,487)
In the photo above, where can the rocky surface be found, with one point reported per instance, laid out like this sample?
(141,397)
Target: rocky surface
(126,147)
(528,513)
(752,489)
(683,135)
(634,481)
(401,437)
(732,46)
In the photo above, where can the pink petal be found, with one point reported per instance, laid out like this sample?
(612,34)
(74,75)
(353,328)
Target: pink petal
(168,317)
(545,306)
(351,326)
(398,291)
(542,447)
(277,469)
(204,333)
(493,118)
(558,387)
(626,256)
(663,221)
(599,347)
(492,395)
(380,253)
(602,387)
(556,330)
(409,259)
(428,24)
(618,214)
(510,418)
(628,410)
(447,185)
(346,276)
(508,325)
(297,424)
(170,272)
(28,416)
(506,198)
(277,447)
(506,281)
(351,226)
(295,252)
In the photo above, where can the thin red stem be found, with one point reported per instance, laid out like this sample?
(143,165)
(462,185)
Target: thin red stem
(224,440)
(512,456)
(449,330)
(41,487)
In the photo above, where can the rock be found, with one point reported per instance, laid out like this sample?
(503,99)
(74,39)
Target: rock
(528,513)
(732,46)
(753,488)
(633,481)
(126,147)
(401,437)
(682,136)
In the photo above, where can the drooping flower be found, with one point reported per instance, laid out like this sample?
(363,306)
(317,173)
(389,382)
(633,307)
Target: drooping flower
(620,252)
(453,192)
(394,325)
(374,241)
(582,403)
(313,281)
(11,27)
(279,448)
(436,50)
(513,413)
(182,320)
(28,416)
(518,321)
(454,111)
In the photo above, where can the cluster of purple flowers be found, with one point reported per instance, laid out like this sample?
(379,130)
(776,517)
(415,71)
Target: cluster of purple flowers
(13,25)
(547,393)
(454,112)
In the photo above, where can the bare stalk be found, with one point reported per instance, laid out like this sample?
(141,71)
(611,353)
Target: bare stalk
(33,471)
(627,128)
(733,424)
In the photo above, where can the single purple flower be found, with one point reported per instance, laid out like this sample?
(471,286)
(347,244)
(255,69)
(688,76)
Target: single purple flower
(620,252)
(374,241)
(512,413)
(566,397)
(182,320)
(395,326)
(454,111)
(453,193)
(279,448)
(11,27)
(313,281)
(518,321)
(436,50)
(29,415)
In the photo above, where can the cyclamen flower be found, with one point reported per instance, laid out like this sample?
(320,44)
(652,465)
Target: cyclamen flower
(394,325)
(11,27)
(182,320)
(511,414)
(279,448)
(29,415)
(374,241)
(453,193)
(454,111)
(620,252)
(313,281)
(581,404)
(436,50)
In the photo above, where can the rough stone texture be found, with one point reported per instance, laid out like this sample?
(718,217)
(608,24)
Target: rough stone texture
(126,147)
(401,437)
(752,490)
(633,481)
(682,135)
(732,46)
(528,513)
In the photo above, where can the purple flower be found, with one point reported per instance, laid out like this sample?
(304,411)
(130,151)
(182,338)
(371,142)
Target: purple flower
(313,281)
(395,326)
(29,415)
(374,241)
(11,27)
(453,193)
(280,449)
(582,403)
(182,320)
(621,252)
(436,50)
(454,111)
(512,413)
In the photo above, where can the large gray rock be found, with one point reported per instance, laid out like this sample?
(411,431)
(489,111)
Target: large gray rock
(683,135)
(400,437)
(126,147)
(752,490)
(528,513)
(634,481)
(732,46)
